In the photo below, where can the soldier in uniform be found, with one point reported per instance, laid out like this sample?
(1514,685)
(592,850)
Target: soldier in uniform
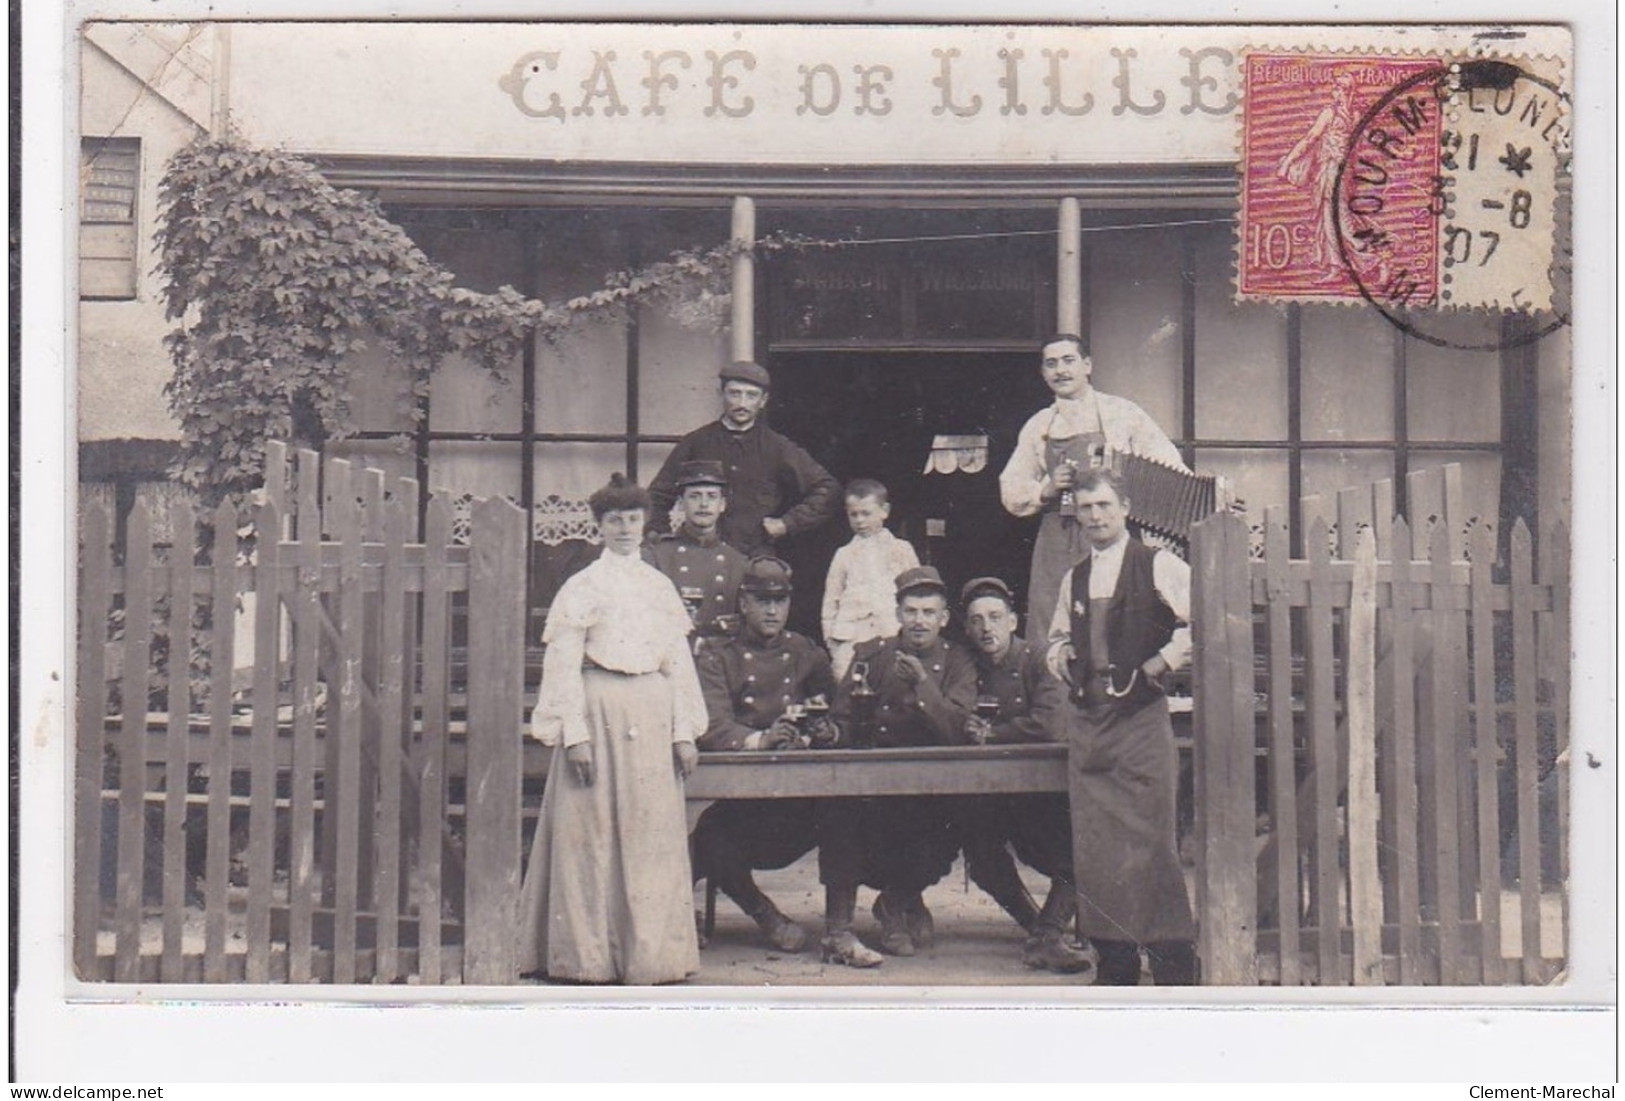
(750,683)
(1018,700)
(705,570)
(1121,625)
(923,689)
(776,488)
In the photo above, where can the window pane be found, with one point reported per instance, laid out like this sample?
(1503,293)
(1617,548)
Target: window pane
(575,470)
(1454,395)
(1348,374)
(381,391)
(1258,478)
(581,379)
(396,459)
(1240,353)
(109,174)
(1327,472)
(480,469)
(465,397)
(1134,306)
(677,374)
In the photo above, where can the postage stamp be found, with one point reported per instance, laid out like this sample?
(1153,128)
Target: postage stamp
(1403,182)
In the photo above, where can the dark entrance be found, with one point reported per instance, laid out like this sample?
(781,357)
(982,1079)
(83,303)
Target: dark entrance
(875,414)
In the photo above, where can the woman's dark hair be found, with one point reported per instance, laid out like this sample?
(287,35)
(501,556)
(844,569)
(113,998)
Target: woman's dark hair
(620,494)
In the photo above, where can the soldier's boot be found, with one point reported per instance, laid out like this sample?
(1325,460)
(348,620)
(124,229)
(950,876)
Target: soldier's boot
(840,945)
(895,938)
(1119,963)
(1173,962)
(1048,949)
(993,869)
(781,932)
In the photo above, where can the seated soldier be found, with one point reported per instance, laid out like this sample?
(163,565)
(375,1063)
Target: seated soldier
(923,689)
(753,684)
(1022,701)
(705,570)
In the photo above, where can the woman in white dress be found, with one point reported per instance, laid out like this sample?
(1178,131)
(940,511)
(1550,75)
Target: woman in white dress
(607,894)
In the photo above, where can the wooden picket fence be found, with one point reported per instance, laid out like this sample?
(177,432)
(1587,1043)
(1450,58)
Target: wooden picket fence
(359,819)
(1355,782)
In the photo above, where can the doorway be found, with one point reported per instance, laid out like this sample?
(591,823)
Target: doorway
(875,414)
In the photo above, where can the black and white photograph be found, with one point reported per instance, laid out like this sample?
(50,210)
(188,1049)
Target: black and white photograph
(633,512)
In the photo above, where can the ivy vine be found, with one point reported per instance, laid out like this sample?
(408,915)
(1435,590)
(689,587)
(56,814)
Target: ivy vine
(275,276)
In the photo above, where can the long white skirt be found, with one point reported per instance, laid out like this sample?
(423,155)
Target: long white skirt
(608,895)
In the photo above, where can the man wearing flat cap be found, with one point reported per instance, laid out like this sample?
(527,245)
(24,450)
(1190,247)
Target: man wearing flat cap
(705,570)
(1018,700)
(924,689)
(775,488)
(757,688)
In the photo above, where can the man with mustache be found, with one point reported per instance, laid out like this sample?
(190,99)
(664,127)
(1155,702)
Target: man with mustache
(705,570)
(1054,447)
(775,488)
(1121,625)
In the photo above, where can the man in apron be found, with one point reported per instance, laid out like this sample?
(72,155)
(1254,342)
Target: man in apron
(1120,626)
(1055,445)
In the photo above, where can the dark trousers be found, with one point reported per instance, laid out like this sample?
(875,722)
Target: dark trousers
(897,844)
(1037,827)
(735,837)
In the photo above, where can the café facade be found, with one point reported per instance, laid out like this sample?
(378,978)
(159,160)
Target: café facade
(978,187)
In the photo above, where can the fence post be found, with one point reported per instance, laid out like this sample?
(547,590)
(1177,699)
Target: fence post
(1365,887)
(95,602)
(495,687)
(1222,635)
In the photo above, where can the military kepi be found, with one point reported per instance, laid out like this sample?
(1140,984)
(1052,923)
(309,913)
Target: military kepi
(766,576)
(920,578)
(986,586)
(701,472)
(745,371)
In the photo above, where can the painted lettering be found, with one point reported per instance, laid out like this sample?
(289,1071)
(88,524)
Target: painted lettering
(1125,92)
(1011,82)
(600,83)
(872,97)
(810,77)
(1197,83)
(944,81)
(1052,81)
(524,83)
(721,81)
(657,80)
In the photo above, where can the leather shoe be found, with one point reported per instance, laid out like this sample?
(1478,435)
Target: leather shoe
(847,950)
(699,927)
(782,933)
(1047,950)
(921,928)
(895,938)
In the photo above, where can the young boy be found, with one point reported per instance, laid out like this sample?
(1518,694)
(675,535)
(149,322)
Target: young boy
(860,601)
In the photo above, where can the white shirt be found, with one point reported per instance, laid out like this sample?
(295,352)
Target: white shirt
(622,614)
(860,592)
(1126,426)
(1170,574)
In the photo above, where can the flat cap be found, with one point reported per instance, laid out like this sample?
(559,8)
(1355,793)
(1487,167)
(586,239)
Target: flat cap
(920,577)
(745,371)
(766,576)
(986,586)
(701,472)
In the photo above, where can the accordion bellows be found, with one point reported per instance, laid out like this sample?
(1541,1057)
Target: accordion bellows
(1163,498)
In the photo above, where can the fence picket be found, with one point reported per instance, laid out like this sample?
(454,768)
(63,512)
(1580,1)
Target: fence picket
(1442,742)
(222,656)
(1403,743)
(343,793)
(1283,750)
(1365,886)
(1554,567)
(132,770)
(1525,726)
(432,745)
(495,689)
(387,835)
(182,578)
(90,739)
(306,655)
(262,748)
(1485,755)
(1320,699)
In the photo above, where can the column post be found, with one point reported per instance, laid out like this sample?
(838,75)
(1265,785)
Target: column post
(744,279)
(1069,268)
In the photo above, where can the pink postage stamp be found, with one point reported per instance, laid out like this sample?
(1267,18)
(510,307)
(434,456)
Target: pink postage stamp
(1336,206)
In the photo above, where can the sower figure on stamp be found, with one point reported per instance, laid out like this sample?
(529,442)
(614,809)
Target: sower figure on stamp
(762,691)
(1052,450)
(914,689)
(1121,625)
(1018,700)
(705,570)
(774,487)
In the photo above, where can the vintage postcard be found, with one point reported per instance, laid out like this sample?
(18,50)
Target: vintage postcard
(642,512)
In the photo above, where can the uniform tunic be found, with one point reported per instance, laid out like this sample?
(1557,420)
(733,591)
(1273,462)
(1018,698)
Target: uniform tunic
(706,573)
(1049,436)
(893,843)
(1031,706)
(607,895)
(1121,763)
(768,475)
(747,684)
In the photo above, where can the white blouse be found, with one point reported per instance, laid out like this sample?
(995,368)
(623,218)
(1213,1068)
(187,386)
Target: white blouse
(624,615)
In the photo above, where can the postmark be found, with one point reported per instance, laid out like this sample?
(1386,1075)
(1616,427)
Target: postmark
(1436,190)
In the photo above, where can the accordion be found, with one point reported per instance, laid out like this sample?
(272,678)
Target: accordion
(1164,499)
